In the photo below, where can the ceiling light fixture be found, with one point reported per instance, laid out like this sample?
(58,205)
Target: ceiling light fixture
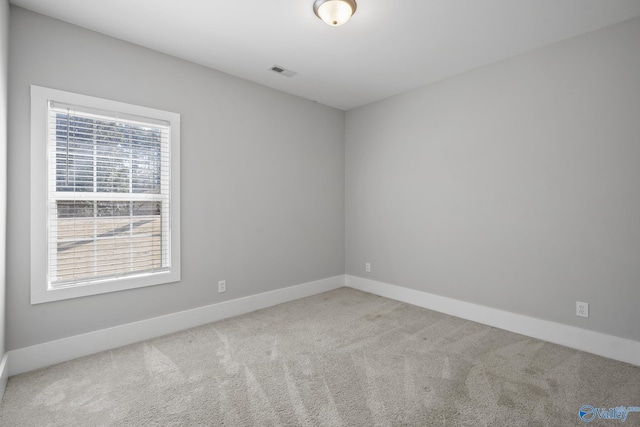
(334,12)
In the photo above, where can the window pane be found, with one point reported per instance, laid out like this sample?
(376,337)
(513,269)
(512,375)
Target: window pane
(113,163)
(74,153)
(105,238)
(75,223)
(146,162)
(107,156)
(147,236)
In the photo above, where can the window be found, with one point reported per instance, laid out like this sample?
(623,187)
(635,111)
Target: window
(104,196)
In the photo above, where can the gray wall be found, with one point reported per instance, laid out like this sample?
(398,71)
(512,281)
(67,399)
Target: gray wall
(4,64)
(515,186)
(262,178)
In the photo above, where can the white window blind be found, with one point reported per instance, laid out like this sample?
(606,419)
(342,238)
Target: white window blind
(108,195)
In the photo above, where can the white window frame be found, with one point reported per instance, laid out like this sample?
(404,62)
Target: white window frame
(41,289)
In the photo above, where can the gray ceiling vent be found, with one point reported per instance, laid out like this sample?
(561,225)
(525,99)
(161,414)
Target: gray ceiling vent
(283,71)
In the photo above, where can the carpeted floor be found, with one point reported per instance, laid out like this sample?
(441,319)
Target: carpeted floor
(342,358)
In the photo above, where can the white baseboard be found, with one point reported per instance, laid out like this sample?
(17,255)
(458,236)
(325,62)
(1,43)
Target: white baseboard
(38,356)
(41,355)
(4,374)
(609,346)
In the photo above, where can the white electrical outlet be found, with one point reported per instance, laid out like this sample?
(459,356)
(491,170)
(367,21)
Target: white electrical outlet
(367,267)
(582,309)
(222,286)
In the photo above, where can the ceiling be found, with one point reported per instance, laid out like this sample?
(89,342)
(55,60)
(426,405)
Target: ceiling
(388,46)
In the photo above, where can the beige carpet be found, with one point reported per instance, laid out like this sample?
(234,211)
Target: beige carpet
(343,358)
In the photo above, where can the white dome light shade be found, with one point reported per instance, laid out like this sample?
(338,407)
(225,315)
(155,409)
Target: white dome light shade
(334,12)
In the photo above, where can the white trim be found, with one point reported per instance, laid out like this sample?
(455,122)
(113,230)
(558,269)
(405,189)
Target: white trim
(41,355)
(4,374)
(610,346)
